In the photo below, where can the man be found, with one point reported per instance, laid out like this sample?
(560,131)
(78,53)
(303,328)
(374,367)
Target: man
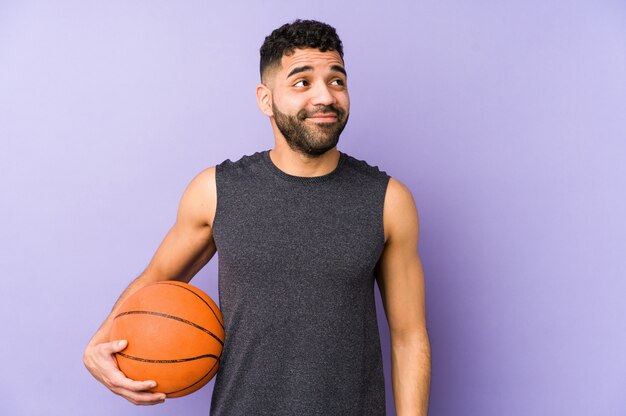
(302,231)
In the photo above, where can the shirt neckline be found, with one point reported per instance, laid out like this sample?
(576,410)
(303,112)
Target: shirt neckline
(301,179)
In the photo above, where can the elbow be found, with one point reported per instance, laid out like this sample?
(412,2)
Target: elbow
(414,338)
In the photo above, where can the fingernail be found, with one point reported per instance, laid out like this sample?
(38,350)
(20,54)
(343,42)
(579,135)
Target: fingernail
(121,343)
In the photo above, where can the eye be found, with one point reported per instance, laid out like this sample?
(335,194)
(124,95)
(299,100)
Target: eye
(301,83)
(338,82)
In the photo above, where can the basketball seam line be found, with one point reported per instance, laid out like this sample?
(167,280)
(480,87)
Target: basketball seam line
(164,315)
(173,361)
(196,382)
(199,297)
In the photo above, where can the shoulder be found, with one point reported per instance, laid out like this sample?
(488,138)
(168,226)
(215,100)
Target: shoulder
(200,197)
(203,181)
(400,212)
(199,201)
(398,192)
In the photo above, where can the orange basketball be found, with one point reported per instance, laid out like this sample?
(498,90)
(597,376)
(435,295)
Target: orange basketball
(175,336)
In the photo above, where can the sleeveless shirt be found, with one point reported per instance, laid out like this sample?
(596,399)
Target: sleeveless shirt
(296,259)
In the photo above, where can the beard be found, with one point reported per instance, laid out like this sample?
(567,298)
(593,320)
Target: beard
(312,139)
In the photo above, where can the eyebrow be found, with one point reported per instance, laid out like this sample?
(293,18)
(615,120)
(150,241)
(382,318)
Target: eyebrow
(305,68)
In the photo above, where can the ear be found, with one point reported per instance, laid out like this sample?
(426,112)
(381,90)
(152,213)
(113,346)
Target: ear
(264,99)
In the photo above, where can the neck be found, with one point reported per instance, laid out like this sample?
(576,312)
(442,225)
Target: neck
(298,164)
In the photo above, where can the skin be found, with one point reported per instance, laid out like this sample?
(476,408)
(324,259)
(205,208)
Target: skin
(189,245)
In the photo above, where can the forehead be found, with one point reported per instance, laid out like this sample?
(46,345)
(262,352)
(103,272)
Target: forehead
(310,57)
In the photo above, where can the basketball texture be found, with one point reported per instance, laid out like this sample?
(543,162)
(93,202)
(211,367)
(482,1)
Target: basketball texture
(175,336)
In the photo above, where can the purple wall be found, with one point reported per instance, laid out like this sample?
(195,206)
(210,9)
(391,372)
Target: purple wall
(507,121)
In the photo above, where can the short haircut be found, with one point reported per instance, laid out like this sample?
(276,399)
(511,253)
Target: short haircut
(299,34)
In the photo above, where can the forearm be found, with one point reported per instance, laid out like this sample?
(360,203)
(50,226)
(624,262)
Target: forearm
(411,365)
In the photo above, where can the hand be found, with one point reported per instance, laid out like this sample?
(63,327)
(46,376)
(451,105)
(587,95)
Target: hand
(101,364)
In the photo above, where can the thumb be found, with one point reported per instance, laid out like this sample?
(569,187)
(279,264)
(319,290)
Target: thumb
(117,346)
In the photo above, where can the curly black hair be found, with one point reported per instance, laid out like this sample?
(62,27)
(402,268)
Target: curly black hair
(298,34)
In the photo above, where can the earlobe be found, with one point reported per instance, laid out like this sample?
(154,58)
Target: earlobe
(264,99)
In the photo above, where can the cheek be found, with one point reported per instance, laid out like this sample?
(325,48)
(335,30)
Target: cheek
(288,103)
(344,101)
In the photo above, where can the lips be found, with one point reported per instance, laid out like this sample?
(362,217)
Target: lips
(326,117)
(322,114)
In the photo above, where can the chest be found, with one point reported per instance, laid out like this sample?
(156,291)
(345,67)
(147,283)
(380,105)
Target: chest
(301,233)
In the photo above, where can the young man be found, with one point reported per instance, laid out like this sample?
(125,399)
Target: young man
(302,231)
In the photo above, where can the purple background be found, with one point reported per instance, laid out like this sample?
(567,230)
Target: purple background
(505,119)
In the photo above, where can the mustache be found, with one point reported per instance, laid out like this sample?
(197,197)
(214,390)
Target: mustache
(322,109)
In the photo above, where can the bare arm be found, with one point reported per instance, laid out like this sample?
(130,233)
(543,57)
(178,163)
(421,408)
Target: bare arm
(401,282)
(186,248)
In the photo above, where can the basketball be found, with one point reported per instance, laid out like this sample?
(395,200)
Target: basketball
(175,335)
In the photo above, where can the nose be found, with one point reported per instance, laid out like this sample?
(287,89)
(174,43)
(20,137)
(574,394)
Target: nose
(322,95)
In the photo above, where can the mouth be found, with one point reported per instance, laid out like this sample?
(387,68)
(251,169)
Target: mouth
(323,118)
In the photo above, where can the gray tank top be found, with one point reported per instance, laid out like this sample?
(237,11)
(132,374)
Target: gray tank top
(296,258)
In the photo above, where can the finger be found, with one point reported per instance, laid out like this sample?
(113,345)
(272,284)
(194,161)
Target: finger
(113,346)
(114,376)
(141,398)
(119,379)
